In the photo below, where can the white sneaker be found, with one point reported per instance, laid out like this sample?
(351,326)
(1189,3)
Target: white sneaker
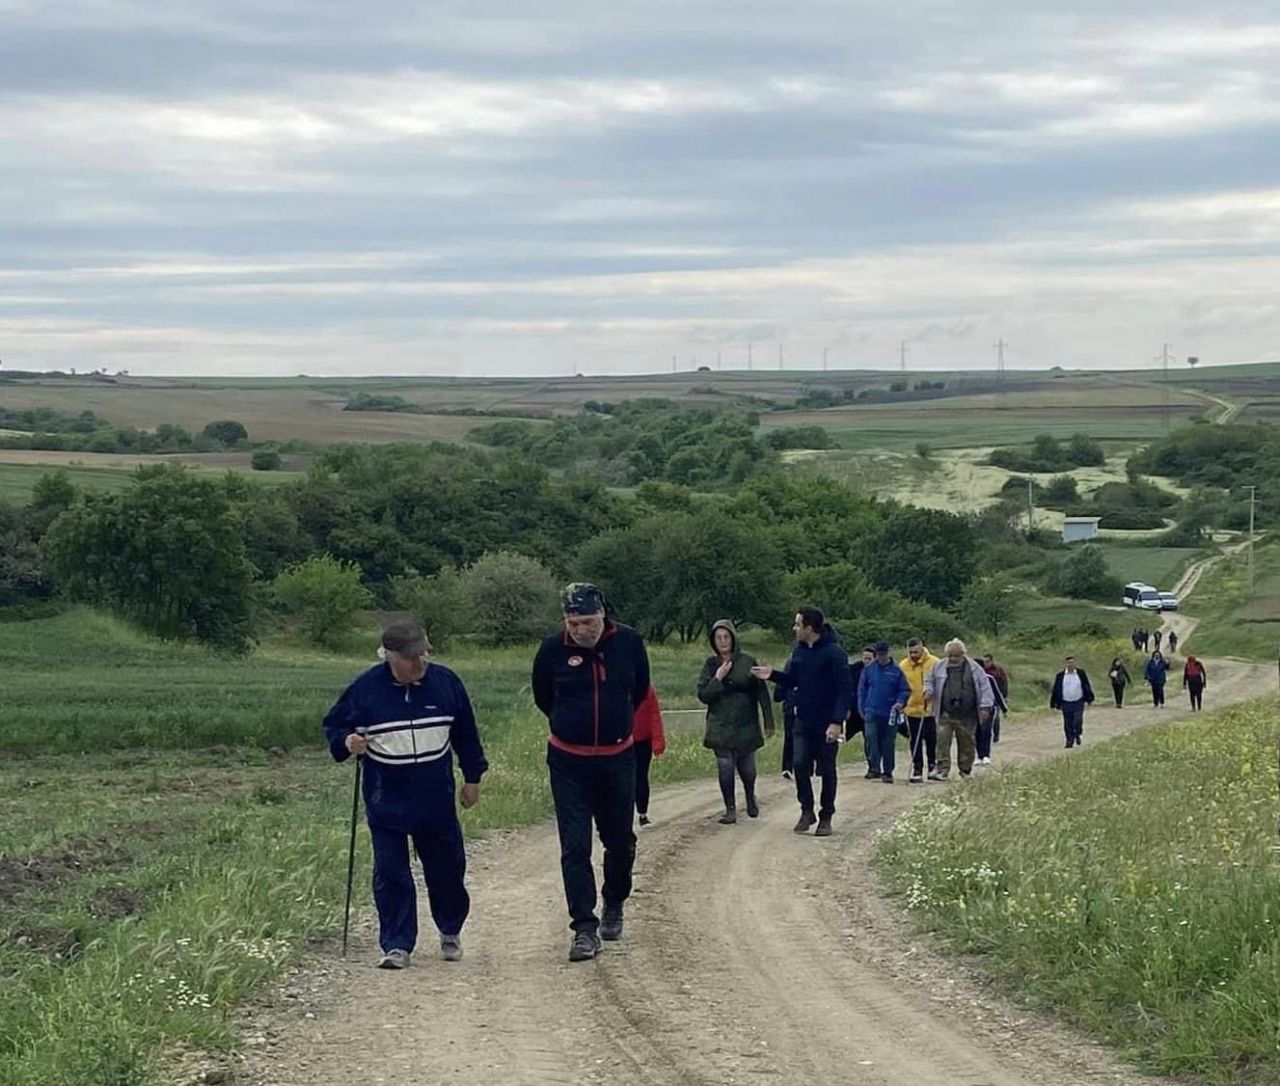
(394,959)
(984,761)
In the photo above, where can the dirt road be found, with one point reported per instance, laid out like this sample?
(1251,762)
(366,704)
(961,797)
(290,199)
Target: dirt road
(751,956)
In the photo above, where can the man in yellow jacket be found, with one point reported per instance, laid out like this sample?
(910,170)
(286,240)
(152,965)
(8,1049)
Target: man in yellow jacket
(922,724)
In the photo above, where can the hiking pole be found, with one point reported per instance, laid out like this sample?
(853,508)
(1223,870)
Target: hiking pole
(351,848)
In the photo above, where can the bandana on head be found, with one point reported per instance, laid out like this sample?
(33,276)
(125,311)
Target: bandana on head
(581,598)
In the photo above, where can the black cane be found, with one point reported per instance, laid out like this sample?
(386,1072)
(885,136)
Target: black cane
(351,849)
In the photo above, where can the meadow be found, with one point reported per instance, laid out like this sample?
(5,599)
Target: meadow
(1132,886)
(1237,622)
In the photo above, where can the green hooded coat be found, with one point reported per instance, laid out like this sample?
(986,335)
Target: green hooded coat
(735,705)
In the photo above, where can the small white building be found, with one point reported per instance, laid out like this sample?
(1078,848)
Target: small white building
(1079,529)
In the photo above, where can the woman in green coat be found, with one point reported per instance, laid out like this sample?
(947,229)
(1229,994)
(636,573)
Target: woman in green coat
(737,703)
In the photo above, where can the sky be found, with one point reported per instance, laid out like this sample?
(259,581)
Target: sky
(276,187)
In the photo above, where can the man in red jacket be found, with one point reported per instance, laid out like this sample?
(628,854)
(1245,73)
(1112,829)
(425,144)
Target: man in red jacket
(651,741)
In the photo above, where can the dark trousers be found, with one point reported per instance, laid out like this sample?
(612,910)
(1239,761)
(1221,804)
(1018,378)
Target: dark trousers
(600,790)
(1118,690)
(1196,691)
(813,751)
(1073,720)
(788,741)
(982,737)
(922,737)
(644,755)
(1157,693)
(744,763)
(444,868)
(882,745)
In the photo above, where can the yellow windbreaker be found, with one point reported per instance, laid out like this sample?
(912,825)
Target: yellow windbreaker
(916,675)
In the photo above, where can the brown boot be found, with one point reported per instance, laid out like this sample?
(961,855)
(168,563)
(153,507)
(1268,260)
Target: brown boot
(806,820)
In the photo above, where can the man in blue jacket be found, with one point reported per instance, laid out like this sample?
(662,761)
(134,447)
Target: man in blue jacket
(589,679)
(817,677)
(407,718)
(882,692)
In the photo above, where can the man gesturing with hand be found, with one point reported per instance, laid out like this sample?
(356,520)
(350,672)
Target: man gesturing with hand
(818,677)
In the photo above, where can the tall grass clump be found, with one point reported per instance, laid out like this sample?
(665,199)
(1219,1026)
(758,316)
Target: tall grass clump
(1134,886)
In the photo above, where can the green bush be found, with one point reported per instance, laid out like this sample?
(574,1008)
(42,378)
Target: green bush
(325,593)
(266,460)
(509,598)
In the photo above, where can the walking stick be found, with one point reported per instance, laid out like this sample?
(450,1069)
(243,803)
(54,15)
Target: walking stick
(351,848)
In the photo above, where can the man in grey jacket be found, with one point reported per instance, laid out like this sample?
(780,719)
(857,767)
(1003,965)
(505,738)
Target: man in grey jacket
(959,692)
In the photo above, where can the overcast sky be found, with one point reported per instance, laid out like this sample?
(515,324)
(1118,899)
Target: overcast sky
(275,187)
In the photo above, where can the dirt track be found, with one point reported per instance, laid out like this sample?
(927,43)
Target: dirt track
(751,955)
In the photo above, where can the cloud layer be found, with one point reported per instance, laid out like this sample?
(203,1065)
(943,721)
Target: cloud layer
(225,187)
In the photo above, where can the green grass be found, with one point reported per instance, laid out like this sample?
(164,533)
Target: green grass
(1160,566)
(1235,622)
(18,480)
(188,828)
(942,432)
(1132,886)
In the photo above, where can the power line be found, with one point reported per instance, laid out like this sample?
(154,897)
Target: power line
(1164,361)
(902,356)
(1000,346)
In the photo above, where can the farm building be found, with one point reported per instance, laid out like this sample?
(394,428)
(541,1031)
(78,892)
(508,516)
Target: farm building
(1078,529)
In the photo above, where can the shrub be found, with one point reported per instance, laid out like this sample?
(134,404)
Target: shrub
(326,593)
(226,432)
(266,460)
(509,598)
(1084,575)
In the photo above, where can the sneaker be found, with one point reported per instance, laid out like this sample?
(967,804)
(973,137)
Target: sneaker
(824,828)
(887,778)
(871,775)
(1070,743)
(729,817)
(806,821)
(753,808)
(984,761)
(451,948)
(645,820)
(585,946)
(915,778)
(786,774)
(394,959)
(934,775)
(611,923)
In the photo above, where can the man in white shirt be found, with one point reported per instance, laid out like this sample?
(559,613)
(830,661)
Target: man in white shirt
(1071,693)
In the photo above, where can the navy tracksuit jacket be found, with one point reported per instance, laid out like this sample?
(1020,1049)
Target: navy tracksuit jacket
(414,731)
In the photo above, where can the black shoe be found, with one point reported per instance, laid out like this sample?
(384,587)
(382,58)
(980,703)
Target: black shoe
(871,775)
(1070,743)
(805,822)
(585,946)
(644,820)
(887,778)
(824,828)
(611,923)
(729,817)
(753,808)
(915,778)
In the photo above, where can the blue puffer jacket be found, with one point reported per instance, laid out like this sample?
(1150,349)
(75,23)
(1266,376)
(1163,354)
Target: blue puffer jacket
(413,732)
(881,688)
(817,682)
(1157,671)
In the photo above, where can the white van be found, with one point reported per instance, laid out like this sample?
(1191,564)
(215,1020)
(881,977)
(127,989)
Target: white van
(1142,596)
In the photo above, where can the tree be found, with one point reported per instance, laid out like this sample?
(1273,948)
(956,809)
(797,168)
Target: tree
(325,593)
(1084,575)
(990,604)
(167,554)
(1062,491)
(226,432)
(923,554)
(266,460)
(509,598)
(53,490)
(437,602)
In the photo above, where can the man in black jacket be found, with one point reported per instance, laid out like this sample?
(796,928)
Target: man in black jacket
(1071,693)
(818,675)
(588,680)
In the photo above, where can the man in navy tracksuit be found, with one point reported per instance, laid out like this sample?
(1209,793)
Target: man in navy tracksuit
(407,718)
(817,676)
(882,692)
(589,679)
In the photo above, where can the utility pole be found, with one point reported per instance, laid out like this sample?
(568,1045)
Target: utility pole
(1031,505)
(1253,503)
(902,356)
(824,359)
(1000,359)
(673,363)
(779,356)
(749,346)
(1164,361)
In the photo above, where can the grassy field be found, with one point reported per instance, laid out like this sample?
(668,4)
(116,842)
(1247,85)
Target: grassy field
(1138,897)
(17,480)
(1237,622)
(1160,566)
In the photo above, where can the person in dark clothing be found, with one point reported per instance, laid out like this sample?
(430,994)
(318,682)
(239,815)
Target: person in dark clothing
(1173,641)
(989,731)
(1159,635)
(883,693)
(786,698)
(1072,691)
(651,742)
(737,705)
(1157,672)
(855,722)
(407,718)
(1119,676)
(1194,680)
(588,680)
(1136,638)
(818,672)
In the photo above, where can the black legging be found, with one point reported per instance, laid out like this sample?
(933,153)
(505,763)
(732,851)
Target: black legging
(1196,690)
(644,755)
(1118,690)
(744,761)
(1157,693)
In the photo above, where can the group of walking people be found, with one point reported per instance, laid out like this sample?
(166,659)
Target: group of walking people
(407,718)
(1145,641)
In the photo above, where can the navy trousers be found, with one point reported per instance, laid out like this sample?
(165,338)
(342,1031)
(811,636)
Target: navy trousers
(444,867)
(1073,720)
(814,753)
(599,789)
